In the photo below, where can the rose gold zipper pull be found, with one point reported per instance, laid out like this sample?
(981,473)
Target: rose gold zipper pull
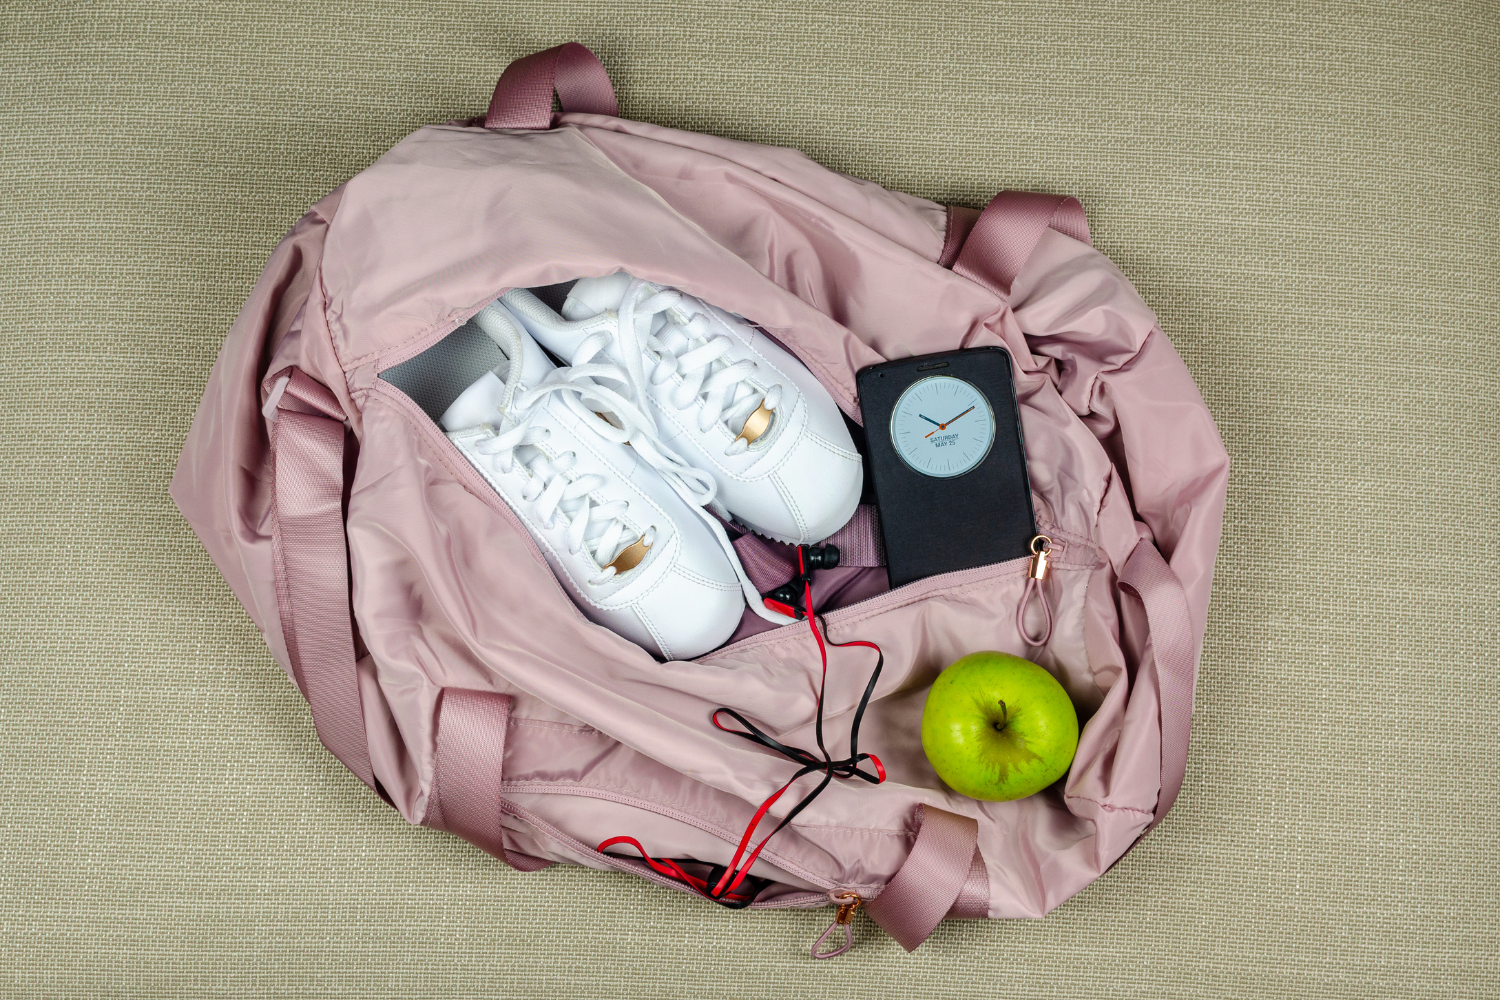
(1036,583)
(1041,552)
(849,903)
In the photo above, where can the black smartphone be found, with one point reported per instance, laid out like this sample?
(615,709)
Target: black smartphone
(947,461)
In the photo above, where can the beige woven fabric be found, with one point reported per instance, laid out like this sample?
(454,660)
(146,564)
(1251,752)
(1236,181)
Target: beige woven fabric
(1307,194)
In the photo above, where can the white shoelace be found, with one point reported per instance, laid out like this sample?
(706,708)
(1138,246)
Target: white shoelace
(589,399)
(723,391)
(553,488)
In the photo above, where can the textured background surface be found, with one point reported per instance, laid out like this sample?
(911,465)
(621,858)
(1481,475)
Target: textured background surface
(1309,197)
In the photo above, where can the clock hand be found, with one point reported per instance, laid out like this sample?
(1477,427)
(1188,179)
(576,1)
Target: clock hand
(929,419)
(965,413)
(943,427)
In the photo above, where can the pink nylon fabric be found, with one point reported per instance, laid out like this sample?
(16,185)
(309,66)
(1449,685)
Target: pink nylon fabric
(456,607)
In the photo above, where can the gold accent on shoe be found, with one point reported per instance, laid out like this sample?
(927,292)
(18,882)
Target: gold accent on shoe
(756,424)
(630,556)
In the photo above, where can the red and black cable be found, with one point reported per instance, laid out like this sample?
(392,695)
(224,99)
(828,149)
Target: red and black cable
(722,881)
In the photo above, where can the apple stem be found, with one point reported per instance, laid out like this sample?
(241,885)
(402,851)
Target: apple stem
(1004,717)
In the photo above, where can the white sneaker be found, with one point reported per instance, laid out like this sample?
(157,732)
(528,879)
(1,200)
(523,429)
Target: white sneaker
(718,393)
(631,553)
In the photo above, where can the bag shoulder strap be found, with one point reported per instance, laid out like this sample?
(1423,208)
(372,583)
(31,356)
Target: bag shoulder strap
(523,97)
(311,562)
(1173,657)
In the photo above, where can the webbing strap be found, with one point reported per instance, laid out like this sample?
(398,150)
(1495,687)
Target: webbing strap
(1147,574)
(311,560)
(523,97)
(1008,230)
(932,878)
(467,770)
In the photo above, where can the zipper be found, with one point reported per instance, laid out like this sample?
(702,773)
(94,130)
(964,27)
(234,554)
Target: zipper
(848,904)
(423,341)
(870,605)
(882,602)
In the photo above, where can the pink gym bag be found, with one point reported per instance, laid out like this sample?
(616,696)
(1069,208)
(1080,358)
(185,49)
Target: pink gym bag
(447,668)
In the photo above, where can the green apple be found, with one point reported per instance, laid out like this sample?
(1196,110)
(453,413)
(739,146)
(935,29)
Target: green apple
(998,727)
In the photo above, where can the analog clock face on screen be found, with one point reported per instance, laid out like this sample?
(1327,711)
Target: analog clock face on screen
(942,426)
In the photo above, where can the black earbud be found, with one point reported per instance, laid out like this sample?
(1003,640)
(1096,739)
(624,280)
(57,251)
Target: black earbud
(791,593)
(820,557)
(786,594)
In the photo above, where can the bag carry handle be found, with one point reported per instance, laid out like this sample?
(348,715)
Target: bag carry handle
(523,97)
(311,562)
(1173,657)
(468,767)
(944,876)
(311,558)
(1007,231)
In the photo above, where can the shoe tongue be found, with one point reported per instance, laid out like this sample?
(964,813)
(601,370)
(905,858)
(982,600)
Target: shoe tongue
(478,404)
(524,364)
(592,296)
